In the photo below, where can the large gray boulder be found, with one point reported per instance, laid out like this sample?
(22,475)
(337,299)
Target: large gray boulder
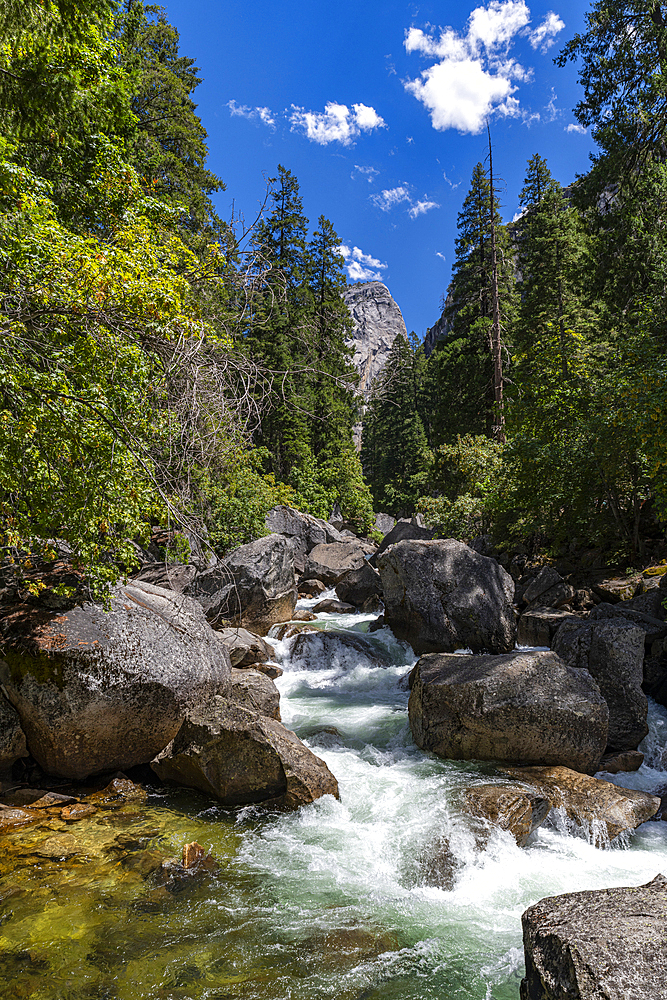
(244,648)
(401,532)
(654,628)
(323,650)
(521,707)
(604,809)
(332,561)
(98,690)
(441,596)
(303,530)
(600,944)
(253,587)
(240,757)
(612,651)
(12,738)
(359,585)
(253,689)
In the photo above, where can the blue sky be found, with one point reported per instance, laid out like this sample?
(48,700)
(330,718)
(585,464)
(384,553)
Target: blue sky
(379,108)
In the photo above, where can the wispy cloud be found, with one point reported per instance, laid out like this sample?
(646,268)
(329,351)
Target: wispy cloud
(265,115)
(421,208)
(544,36)
(391,197)
(337,123)
(474,75)
(370,173)
(440,255)
(361,266)
(576,128)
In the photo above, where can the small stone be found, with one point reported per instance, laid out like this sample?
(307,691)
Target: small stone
(192,853)
(10,817)
(333,607)
(53,799)
(118,791)
(78,811)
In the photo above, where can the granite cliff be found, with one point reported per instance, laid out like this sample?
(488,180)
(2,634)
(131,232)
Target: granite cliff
(377,323)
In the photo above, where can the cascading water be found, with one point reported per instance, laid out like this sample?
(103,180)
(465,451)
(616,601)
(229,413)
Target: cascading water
(391,892)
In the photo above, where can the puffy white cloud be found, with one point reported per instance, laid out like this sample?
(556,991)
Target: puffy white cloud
(576,128)
(337,123)
(264,115)
(361,266)
(474,75)
(391,197)
(421,208)
(544,36)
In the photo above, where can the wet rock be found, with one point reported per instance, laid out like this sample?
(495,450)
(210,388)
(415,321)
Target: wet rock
(12,738)
(271,670)
(303,531)
(441,596)
(311,588)
(325,649)
(81,810)
(605,809)
(378,624)
(332,607)
(330,563)
(12,817)
(253,587)
(52,799)
(537,626)
(245,648)
(602,944)
(37,797)
(288,630)
(304,616)
(251,689)
(626,760)
(103,689)
(62,845)
(522,707)
(438,865)
(612,650)
(359,586)
(518,810)
(240,757)
(118,792)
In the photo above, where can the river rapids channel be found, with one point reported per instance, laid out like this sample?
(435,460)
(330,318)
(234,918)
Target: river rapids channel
(391,893)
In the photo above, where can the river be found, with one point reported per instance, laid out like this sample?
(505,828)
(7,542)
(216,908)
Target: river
(390,893)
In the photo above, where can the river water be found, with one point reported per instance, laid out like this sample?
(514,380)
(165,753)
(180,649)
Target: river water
(391,893)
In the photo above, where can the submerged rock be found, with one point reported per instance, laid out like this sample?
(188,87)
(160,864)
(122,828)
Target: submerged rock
(590,802)
(521,707)
(612,650)
(518,810)
(324,649)
(100,690)
(602,944)
(332,607)
(240,757)
(441,596)
(254,587)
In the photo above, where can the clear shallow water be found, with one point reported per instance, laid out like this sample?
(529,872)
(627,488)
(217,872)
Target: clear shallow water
(389,893)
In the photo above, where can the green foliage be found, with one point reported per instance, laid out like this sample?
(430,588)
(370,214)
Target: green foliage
(465,475)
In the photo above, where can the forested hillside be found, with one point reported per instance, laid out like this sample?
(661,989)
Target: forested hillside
(161,366)
(576,458)
(157,365)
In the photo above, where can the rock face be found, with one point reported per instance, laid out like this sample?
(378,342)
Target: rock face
(12,737)
(538,625)
(240,757)
(377,323)
(605,809)
(331,562)
(510,807)
(612,650)
(254,690)
(440,596)
(520,707)
(254,587)
(303,530)
(604,944)
(101,690)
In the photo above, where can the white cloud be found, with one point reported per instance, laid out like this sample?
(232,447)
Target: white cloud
(368,172)
(544,35)
(265,115)
(361,266)
(576,128)
(474,75)
(421,208)
(337,123)
(440,255)
(390,198)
